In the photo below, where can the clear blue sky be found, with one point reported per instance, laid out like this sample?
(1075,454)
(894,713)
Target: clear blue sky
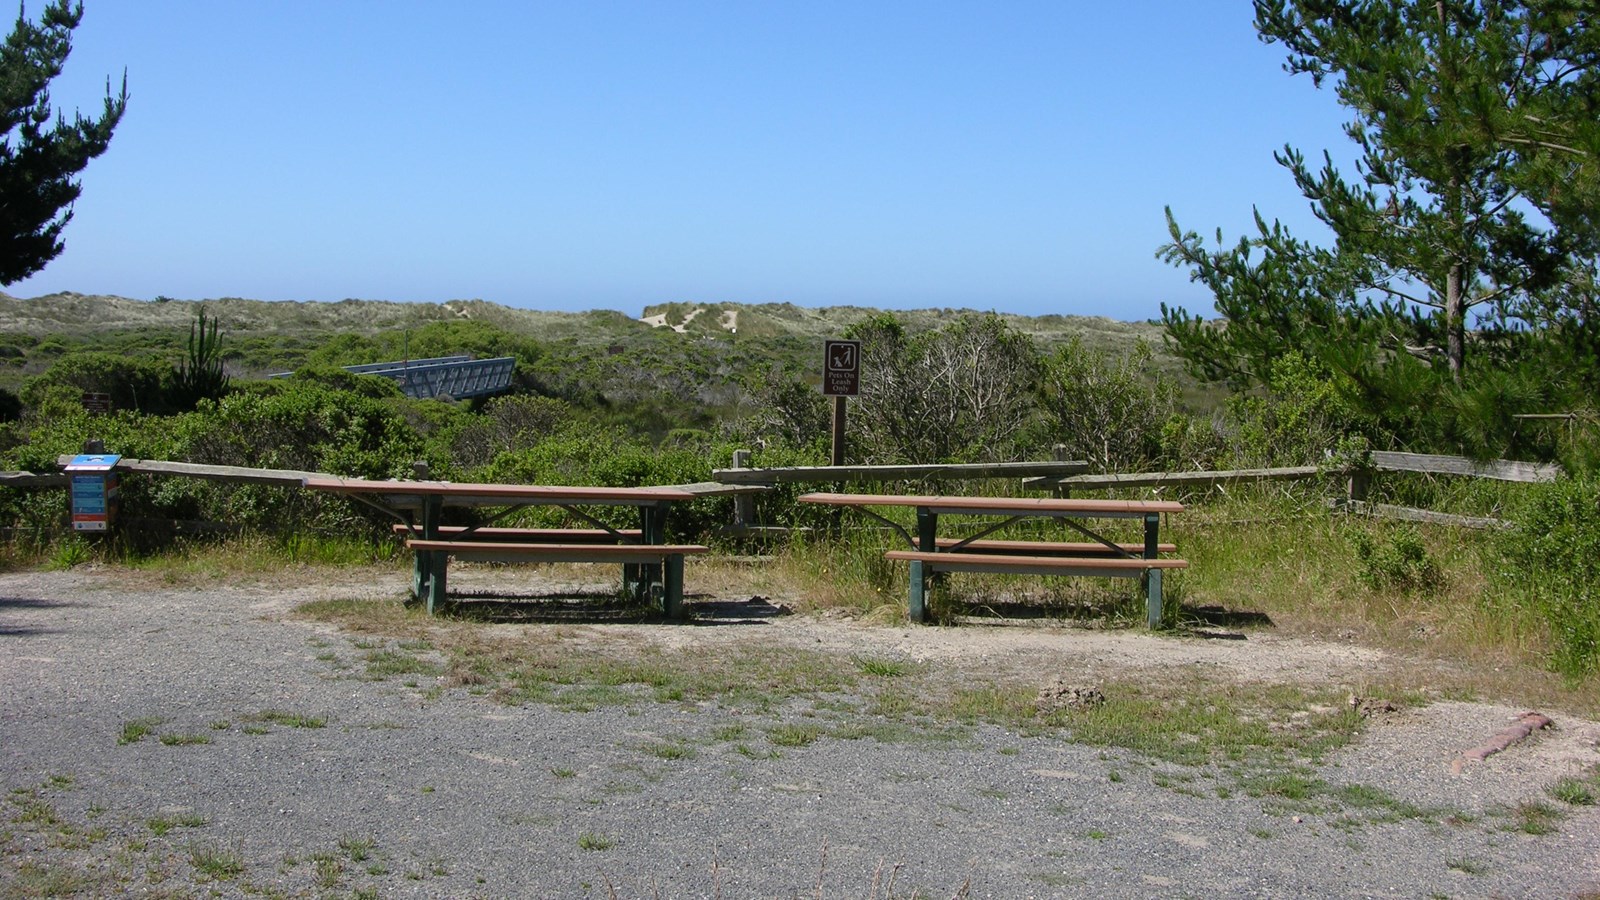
(579,155)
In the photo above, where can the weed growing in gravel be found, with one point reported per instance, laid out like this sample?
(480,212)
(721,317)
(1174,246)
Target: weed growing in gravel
(288,719)
(591,841)
(1536,817)
(671,750)
(33,809)
(52,880)
(540,669)
(1575,791)
(215,863)
(883,668)
(160,825)
(184,740)
(357,849)
(385,663)
(730,732)
(136,730)
(560,772)
(1468,865)
(793,735)
(329,869)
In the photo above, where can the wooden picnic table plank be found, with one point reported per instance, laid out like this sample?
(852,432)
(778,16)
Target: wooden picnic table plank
(1035,565)
(466,493)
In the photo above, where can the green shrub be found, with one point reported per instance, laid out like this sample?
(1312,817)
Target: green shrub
(134,383)
(1303,415)
(1398,561)
(1550,565)
(1109,409)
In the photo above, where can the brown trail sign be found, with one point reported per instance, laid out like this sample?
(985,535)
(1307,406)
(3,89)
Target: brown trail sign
(841,378)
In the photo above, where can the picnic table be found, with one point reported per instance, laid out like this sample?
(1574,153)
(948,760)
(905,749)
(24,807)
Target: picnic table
(1096,556)
(651,568)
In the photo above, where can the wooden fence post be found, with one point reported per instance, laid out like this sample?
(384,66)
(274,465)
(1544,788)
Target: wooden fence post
(1360,480)
(744,505)
(1059,453)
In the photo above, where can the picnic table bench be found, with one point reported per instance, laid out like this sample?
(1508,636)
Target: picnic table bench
(1099,556)
(651,568)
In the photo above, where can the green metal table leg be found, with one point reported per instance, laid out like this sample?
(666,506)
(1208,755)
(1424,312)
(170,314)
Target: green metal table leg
(1152,603)
(919,592)
(419,576)
(637,578)
(428,580)
(927,542)
(436,582)
(672,599)
(1152,577)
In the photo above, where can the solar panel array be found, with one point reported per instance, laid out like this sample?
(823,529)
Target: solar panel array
(456,377)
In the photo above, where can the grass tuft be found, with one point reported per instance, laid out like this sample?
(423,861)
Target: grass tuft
(136,730)
(1575,791)
(216,863)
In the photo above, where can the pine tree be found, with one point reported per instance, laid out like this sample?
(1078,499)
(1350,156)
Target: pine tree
(1433,233)
(40,159)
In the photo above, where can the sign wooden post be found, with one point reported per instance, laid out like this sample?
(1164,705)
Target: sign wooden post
(841,378)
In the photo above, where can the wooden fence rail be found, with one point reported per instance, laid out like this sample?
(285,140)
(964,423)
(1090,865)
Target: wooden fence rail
(950,472)
(1166,479)
(1059,476)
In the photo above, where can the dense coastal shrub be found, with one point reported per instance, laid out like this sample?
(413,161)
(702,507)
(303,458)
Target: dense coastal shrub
(1109,409)
(960,393)
(1550,569)
(135,383)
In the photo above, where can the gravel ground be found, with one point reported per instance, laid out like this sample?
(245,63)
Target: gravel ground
(413,792)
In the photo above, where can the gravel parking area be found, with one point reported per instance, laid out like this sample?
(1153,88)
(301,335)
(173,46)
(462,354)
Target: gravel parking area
(178,741)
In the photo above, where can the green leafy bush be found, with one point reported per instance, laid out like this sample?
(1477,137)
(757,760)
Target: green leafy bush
(134,383)
(1303,415)
(1109,409)
(1397,561)
(1550,566)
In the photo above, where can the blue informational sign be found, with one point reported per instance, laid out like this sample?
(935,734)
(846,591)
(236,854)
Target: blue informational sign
(94,496)
(93,462)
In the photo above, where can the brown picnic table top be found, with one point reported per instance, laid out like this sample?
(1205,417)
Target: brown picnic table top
(410,494)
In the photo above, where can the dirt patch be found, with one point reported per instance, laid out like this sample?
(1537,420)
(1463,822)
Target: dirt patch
(445,792)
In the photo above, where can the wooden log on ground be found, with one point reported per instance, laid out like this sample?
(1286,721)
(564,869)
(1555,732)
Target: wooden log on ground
(1527,724)
(1410,514)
